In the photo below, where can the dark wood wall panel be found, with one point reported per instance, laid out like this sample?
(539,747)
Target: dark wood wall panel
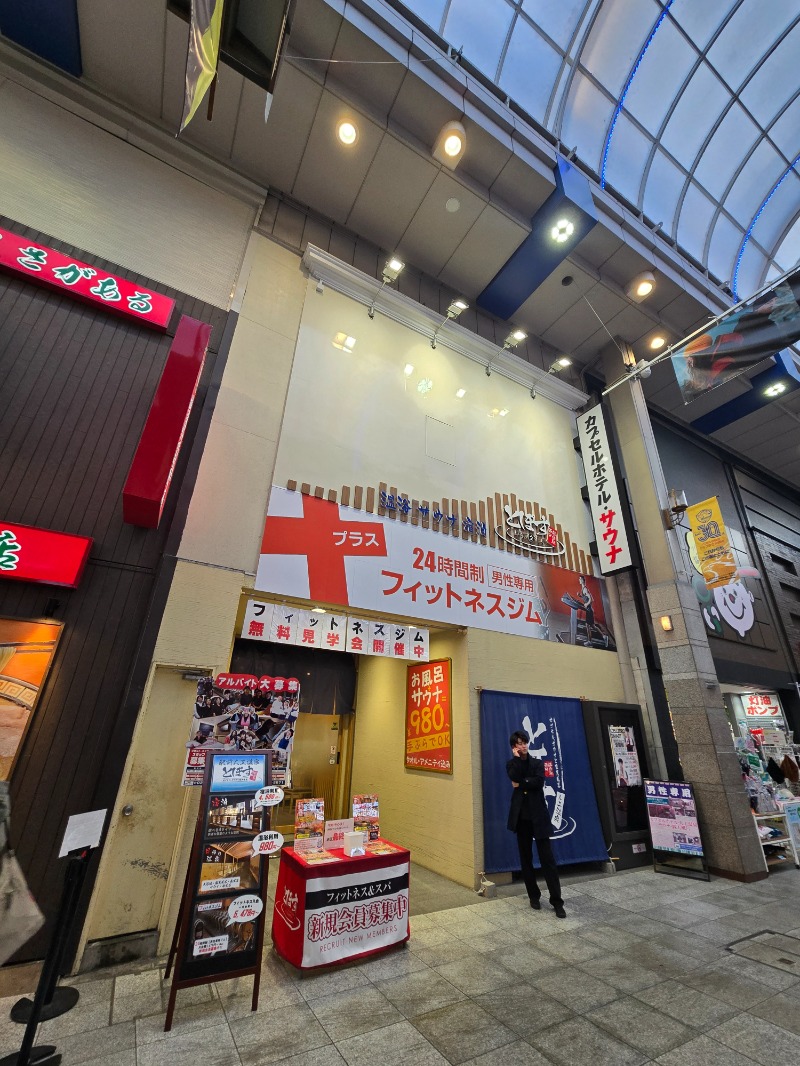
(77,383)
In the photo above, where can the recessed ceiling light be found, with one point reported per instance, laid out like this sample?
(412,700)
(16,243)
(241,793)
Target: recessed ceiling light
(408,369)
(460,394)
(657,342)
(452,204)
(776,389)
(424,385)
(562,231)
(450,144)
(347,133)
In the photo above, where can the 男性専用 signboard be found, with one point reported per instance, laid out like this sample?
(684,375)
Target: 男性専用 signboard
(429,744)
(672,814)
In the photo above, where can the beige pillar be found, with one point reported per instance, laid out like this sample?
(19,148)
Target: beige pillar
(695,701)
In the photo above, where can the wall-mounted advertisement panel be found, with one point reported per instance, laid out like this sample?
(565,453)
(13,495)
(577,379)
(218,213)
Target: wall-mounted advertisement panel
(429,743)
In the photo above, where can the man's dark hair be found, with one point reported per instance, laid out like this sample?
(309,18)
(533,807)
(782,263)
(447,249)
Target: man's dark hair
(516,737)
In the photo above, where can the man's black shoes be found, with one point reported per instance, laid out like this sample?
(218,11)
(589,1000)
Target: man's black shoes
(536,904)
(560,912)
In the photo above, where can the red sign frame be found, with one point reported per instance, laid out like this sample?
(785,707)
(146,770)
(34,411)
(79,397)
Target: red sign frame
(429,739)
(45,556)
(43,265)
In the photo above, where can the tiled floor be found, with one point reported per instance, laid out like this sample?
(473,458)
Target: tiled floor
(641,971)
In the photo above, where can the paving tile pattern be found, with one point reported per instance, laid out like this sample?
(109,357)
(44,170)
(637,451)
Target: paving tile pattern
(645,969)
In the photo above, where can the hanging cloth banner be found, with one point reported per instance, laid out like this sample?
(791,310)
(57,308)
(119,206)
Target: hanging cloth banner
(202,56)
(717,564)
(756,330)
(554,725)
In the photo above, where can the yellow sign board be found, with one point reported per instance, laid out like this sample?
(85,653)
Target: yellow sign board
(714,554)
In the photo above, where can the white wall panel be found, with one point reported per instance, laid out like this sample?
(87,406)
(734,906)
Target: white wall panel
(82,185)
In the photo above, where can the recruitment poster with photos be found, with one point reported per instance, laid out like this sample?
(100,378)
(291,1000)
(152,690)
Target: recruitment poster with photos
(626,759)
(309,825)
(227,893)
(242,712)
(672,815)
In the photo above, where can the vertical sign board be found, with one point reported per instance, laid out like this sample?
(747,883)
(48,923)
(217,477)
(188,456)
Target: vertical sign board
(429,744)
(220,931)
(604,499)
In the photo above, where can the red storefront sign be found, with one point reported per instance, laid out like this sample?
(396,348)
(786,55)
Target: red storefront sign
(149,477)
(37,262)
(42,555)
(428,739)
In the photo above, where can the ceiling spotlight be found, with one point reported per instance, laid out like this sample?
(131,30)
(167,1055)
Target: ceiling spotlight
(560,364)
(657,342)
(776,389)
(460,394)
(641,286)
(408,369)
(514,338)
(392,268)
(562,231)
(450,144)
(347,133)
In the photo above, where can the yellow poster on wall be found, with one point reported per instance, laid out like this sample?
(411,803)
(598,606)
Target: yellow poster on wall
(717,564)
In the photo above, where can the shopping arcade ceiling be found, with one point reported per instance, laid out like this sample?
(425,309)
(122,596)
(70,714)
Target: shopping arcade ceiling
(565,78)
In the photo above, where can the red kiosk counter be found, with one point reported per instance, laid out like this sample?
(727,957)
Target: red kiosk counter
(334,912)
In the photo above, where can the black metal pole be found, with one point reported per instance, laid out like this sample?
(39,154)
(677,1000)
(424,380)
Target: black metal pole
(27,1054)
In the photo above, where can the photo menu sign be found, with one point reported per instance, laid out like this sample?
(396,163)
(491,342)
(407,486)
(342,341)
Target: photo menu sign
(227,902)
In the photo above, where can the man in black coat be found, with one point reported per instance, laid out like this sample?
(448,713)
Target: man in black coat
(529,818)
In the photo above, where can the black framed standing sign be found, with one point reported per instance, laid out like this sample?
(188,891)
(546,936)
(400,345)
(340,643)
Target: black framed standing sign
(674,830)
(220,928)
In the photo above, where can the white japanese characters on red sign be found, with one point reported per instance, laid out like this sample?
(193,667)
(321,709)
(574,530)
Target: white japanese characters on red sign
(604,499)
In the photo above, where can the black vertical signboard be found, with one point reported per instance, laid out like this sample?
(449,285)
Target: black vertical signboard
(220,930)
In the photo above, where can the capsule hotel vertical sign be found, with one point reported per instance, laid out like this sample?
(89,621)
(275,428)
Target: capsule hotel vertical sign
(604,499)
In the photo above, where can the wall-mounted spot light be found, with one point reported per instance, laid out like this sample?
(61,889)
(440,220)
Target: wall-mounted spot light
(562,231)
(450,144)
(344,343)
(347,132)
(453,311)
(776,389)
(640,287)
(392,268)
(666,623)
(560,364)
(515,337)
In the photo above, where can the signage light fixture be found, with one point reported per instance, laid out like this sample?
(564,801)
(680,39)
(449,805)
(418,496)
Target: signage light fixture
(392,269)
(560,364)
(453,311)
(515,337)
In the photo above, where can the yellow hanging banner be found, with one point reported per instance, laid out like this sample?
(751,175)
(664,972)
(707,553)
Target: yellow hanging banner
(717,564)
